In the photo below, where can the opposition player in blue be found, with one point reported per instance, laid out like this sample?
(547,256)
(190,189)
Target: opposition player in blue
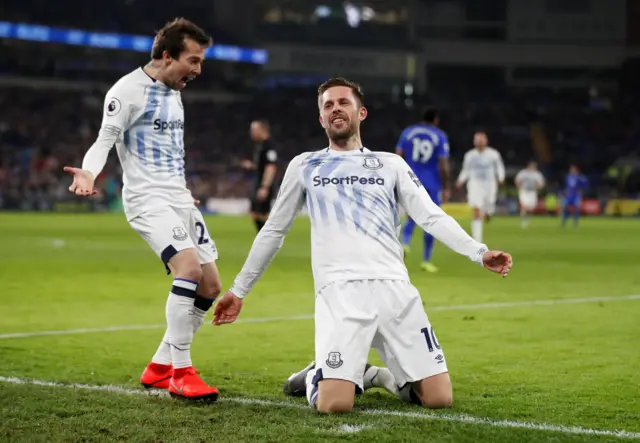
(574,185)
(425,147)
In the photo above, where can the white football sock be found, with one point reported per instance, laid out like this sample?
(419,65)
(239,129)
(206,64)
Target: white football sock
(376,377)
(180,323)
(476,230)
(163,354)
(312,390)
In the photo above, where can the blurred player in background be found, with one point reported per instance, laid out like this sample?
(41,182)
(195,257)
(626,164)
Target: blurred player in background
(144,119)
(574,185)
(528,181)
(425,147)
(363,294)
(483,171)
(265,158)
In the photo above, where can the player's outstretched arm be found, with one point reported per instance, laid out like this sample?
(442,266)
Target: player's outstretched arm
(266,244)
(116,119)
(430,217)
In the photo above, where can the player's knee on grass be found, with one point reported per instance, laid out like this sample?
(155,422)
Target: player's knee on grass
(434,392)
(476,213)
(185,265)
(335,396)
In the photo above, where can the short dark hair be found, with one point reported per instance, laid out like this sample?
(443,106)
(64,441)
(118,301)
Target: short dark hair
(341,81)
(430,115)
(171,38)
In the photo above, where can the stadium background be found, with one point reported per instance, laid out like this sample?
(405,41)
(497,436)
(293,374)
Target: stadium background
(554,81)
(548,354)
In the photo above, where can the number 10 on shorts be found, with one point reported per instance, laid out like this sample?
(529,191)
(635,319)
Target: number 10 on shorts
(430,336)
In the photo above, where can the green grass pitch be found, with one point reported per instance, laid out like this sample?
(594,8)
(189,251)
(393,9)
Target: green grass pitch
(522,370)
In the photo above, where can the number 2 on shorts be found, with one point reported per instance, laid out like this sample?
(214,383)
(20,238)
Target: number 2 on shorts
(201,230)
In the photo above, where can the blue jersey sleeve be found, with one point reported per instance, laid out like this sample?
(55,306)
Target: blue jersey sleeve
(443,146)
(403,146)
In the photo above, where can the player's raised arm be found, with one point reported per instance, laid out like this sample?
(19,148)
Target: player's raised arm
(266,244)
(416,202)
(116,119)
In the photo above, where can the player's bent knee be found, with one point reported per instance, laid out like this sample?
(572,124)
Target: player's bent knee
(435,392)
(335,396)
(334,406)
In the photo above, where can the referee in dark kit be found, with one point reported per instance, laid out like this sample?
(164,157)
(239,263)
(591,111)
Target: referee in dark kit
(264,162)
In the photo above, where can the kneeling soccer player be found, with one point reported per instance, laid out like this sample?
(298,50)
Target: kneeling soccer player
(364,297)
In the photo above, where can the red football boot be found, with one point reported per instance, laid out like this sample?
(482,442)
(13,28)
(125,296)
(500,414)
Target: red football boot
(186,383)
(156,376)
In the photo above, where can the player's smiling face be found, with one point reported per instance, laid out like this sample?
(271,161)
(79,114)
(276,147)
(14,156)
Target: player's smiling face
(187,67)
(340,112)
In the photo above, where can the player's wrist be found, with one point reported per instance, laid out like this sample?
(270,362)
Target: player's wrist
(237,292)
(479,256)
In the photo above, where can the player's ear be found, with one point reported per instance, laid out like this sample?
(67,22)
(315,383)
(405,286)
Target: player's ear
(321,121)
(362,114)
(166,58)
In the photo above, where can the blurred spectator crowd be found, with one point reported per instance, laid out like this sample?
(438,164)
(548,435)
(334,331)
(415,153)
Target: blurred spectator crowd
(42,130)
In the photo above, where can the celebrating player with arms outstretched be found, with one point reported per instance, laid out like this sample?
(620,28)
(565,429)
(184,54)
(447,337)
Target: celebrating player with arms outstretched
(482,170)
(144,120)
(363,294)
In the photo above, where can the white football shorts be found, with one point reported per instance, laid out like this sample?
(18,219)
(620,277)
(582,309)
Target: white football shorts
(351,317)
(169,230)
(528,199)
(482,197)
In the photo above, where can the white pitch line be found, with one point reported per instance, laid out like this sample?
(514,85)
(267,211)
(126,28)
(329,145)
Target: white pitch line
(140,327)
(495,305)
(457,418)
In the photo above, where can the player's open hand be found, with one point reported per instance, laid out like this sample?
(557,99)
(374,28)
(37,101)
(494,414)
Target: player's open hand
(227,309)
(82,181)
(498,262)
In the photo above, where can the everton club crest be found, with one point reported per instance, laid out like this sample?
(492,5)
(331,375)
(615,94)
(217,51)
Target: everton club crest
(372,163)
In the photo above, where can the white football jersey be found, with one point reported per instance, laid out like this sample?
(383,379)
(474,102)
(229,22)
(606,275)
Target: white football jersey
(353,200)
(482,168)
(529,180)
(148,117)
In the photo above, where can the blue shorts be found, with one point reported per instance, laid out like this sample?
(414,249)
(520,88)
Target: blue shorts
(573,200)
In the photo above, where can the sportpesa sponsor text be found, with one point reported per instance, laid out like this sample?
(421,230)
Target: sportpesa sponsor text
(348,180)
(162,125)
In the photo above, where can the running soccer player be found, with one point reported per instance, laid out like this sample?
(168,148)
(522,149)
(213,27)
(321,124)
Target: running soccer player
(144,119)
(482,170)
(575,184)
(363,294)
(265,158)
(425,147)
(528,181)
